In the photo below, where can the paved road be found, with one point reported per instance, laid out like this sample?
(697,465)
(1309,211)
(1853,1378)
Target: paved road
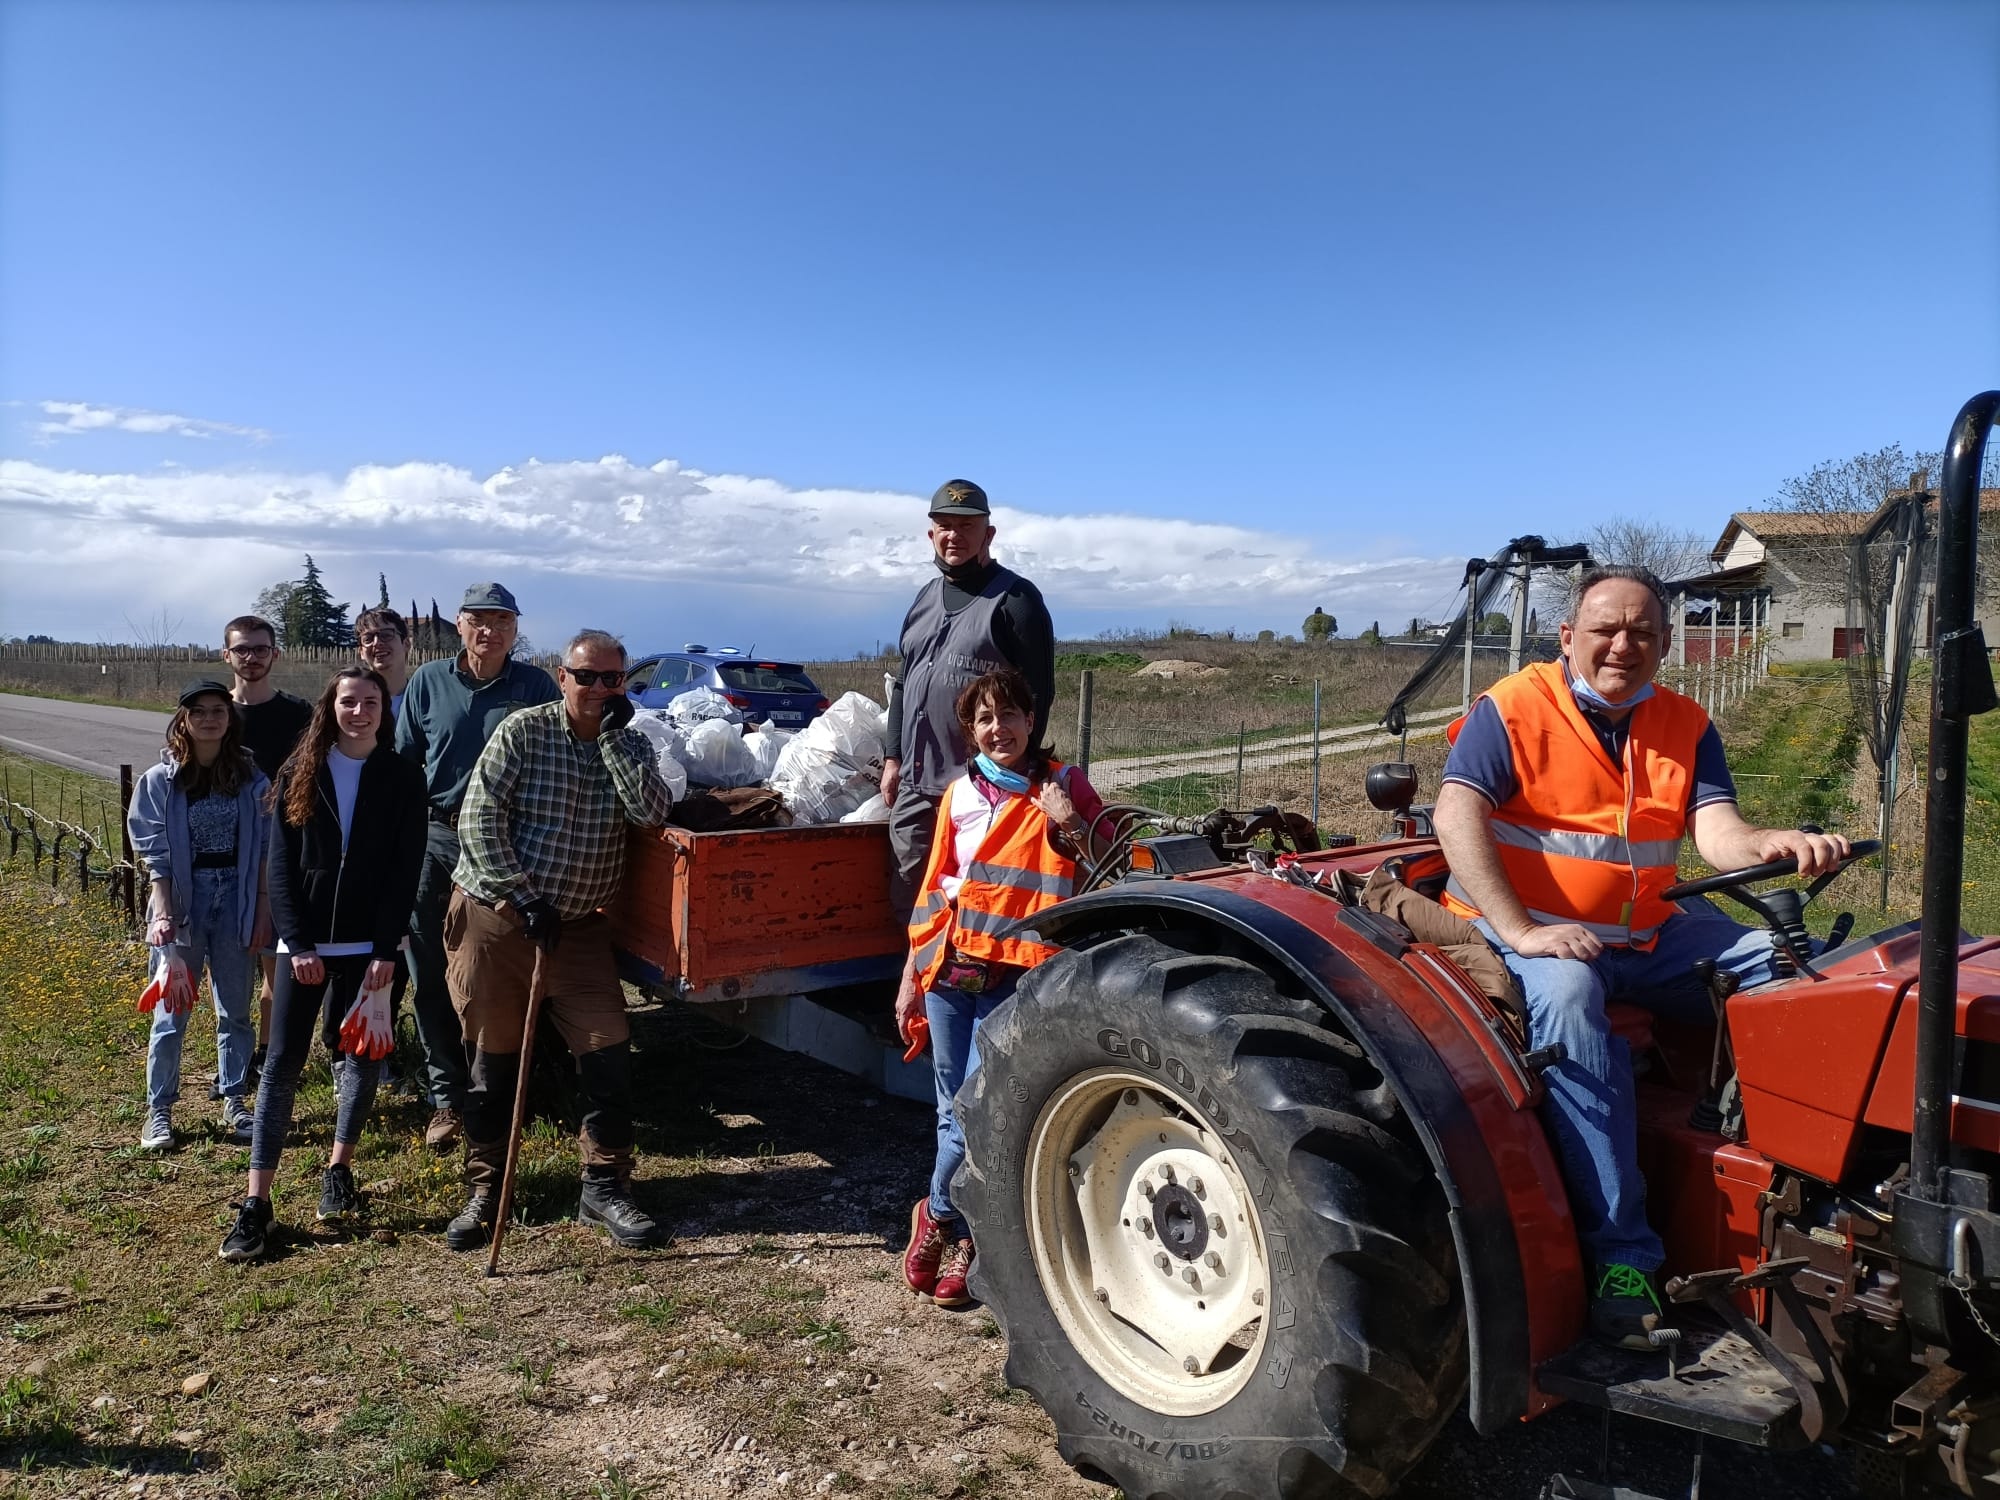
(83,736)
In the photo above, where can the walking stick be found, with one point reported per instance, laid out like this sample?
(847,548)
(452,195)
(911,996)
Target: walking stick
(537,985)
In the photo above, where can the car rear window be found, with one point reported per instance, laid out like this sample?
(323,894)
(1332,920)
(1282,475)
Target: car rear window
(766,677)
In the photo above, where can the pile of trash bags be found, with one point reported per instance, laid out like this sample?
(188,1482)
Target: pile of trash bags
(828,772)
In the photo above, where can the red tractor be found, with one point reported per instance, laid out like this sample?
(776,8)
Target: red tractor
(1261,1191)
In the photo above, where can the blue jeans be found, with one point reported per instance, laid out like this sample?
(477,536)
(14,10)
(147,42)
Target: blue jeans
(955,1018)
(1590,1109)
(210,938)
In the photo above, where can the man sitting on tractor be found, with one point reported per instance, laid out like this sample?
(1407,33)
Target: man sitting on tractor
(1566,794)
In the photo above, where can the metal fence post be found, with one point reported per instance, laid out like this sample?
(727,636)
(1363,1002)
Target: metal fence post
(1241,726)
(1315,805)
(1083,720)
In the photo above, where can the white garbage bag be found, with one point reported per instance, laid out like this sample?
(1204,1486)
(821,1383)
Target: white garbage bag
(767,744)
(834,764)
(717,756)
(874,810)
(700,705)
(669,749)
(852,729)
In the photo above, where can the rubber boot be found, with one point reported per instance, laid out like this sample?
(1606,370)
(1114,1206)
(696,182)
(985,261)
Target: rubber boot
(484,1163)
(607,1204)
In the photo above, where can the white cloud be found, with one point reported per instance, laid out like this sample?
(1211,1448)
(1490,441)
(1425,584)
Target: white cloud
(69,418)
(620,525)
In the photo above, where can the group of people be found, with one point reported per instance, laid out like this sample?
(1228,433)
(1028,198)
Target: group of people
(462,827)
(451,832)
(451,835)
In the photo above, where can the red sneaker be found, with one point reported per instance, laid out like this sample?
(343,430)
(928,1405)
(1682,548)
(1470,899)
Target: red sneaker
(952,1271)
(920,1259)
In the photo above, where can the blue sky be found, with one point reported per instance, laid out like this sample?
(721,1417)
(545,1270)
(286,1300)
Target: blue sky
(1232,309)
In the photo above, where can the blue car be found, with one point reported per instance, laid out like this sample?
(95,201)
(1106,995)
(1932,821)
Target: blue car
(778,691)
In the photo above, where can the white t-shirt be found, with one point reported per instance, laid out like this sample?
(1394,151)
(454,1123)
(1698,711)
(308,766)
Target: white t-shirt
(346,773)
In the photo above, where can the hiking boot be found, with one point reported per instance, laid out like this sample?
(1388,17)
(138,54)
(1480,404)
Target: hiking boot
(237,1121)
(337,1194)
(607,1204)
(484,1162)
(446,1129)
(953,1267)
(159,1132)
(1624,1308)
(245,1240)
(920,1257)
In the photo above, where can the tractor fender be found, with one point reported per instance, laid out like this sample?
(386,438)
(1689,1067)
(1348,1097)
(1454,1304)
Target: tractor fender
(1499,1176)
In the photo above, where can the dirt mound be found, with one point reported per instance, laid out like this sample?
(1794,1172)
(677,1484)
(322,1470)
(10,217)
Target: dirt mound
(1168,667)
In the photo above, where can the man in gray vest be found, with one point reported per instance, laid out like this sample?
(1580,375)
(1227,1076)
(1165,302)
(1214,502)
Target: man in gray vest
(976,618)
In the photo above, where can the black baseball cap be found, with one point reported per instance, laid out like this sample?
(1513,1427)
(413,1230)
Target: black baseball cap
(489,596)
(959,497)
(199,687)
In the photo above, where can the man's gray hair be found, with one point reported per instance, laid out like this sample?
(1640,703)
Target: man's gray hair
(595,640)
(1627,572)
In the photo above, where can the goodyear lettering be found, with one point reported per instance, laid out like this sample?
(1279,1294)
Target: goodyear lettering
(1148,1056)
(1281,1252)
(1281,1370)
(1287,1316)
(1166,1447)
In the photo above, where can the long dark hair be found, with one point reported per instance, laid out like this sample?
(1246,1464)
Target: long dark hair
(227,774)
(296,778)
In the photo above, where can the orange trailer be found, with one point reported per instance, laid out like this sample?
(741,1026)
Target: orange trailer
(750,913)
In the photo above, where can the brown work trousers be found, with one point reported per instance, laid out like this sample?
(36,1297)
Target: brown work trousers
(489,967)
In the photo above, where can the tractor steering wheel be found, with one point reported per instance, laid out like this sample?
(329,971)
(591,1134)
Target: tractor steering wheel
(1771,869)
(1783,910)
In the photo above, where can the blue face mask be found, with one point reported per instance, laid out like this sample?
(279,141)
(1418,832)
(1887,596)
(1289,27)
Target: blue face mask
(1000,776)
(1589,697)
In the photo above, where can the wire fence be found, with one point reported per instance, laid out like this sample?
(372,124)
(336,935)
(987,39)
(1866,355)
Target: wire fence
(70,834)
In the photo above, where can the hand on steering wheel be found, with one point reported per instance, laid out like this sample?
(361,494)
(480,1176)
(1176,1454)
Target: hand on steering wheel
(1771,869)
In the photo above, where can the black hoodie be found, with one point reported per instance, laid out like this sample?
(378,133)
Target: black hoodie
(321,893)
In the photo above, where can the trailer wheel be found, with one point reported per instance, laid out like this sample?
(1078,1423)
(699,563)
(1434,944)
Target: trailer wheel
(1222,1264)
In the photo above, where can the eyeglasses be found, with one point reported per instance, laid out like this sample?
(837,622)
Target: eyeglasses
(585,677)
(248,653)
(376,637)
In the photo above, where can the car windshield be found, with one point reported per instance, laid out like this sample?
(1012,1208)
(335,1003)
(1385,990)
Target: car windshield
(766,677)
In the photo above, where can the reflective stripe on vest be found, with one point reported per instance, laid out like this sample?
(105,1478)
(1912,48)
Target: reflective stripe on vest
(1604,932)
(1583,840)
(1014,874)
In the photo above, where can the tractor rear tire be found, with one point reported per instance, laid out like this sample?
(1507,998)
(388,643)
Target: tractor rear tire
(1160,1143)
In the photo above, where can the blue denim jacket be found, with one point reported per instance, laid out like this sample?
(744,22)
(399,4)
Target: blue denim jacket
(158,823)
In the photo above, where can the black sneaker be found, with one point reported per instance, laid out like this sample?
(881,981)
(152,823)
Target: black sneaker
(1624,1308)
(245,1240)
(337,1195)
(607,1204)
(474,1224)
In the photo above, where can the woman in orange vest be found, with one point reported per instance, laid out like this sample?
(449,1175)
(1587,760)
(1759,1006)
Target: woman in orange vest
(1009,834)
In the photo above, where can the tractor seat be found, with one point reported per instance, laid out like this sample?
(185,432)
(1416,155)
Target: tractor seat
(1632,1023)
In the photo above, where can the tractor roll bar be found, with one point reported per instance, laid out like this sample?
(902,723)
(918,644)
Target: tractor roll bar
(1961,686)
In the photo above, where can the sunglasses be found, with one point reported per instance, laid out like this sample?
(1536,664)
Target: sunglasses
(585,677)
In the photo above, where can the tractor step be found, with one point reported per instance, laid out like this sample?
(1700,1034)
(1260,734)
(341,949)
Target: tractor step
(1716,1384)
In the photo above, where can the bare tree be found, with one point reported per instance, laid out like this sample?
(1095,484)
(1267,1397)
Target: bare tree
(1833,501)
(155,633)
(1670,551)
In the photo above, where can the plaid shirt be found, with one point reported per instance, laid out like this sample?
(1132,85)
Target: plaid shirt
(545,813)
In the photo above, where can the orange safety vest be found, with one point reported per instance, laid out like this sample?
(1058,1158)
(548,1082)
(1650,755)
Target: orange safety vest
(1583,840)
(1015,873)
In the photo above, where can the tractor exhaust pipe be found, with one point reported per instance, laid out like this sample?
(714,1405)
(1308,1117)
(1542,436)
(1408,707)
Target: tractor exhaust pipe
(1961,686)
